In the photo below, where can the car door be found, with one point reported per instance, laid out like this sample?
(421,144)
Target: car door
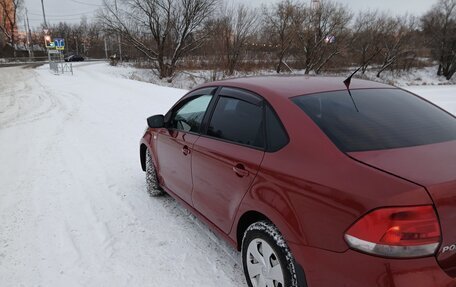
(227,157)
(175,143)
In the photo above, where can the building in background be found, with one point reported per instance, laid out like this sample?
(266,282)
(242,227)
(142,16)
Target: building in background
(8,23)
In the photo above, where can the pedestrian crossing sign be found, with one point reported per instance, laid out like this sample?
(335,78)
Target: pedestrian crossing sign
(59,44)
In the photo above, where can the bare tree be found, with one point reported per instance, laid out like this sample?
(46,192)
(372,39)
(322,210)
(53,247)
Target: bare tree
(280,22)
(395,41)
(439,26)
(214,49)
(368,31)
(162,30)
(239,24)
(230,31)
(94,41)
(84,38)
(323,34)
(8,20)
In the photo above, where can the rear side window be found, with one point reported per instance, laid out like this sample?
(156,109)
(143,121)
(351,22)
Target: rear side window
(275,132)
(237,121)
(382,119)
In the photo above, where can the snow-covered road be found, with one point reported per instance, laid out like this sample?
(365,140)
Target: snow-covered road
(73,206)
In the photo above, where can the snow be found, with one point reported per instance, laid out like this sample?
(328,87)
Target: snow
(426,76)
(74,206)
(73,203)
(183,79)
(443,96)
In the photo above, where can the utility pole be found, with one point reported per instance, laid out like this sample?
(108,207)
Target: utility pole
(29,34)
(315,6)
(44,14)
(120,48)
(77,45)
(119,35)
(27,43)
(106,48)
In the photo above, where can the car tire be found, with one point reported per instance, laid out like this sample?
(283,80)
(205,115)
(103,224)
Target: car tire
(153,188)
(266,258)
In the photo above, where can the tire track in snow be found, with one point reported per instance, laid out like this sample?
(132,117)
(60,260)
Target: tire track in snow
(75,207)
(28,99)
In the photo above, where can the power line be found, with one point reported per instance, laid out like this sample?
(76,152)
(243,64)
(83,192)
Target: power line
(59,19)
(62,15)
(84,3)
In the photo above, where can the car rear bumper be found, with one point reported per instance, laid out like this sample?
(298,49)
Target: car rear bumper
(353,269)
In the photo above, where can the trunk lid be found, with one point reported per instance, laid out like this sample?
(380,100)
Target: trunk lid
(433,167)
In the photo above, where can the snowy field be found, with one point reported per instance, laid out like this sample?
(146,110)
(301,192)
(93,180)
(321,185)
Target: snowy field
(188,79)
(73,205)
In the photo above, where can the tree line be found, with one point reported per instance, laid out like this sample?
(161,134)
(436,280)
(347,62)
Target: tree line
(325,36)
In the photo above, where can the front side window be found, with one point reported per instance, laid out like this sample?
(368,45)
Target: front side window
(238,121)
(382,119)
(189,117)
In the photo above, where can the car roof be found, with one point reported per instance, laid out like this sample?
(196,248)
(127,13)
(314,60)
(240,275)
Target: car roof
(290,86)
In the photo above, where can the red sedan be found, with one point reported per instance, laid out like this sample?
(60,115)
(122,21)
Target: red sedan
(315,184)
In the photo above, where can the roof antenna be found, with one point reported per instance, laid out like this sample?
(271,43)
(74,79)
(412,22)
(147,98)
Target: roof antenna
(347,83)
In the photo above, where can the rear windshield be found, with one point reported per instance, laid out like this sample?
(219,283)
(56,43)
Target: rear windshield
(377,119)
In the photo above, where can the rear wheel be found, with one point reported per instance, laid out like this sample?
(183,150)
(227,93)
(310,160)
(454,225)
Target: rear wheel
(266,257)
(153,188)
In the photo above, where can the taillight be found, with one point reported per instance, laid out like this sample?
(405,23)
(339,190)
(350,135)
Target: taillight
(401,232)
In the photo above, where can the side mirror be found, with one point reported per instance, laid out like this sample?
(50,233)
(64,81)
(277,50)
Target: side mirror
(156,122)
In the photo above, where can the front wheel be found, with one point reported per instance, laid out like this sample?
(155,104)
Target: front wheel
(266,257)
(153,188)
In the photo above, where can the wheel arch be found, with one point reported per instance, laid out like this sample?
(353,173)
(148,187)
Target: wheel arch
(250,217)
(142,156)
(247,219)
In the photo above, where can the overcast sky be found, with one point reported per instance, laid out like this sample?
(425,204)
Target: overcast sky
(72,10)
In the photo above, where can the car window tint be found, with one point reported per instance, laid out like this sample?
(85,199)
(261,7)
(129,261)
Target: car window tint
(385,119)
(276,135)
(238,121)
(190,116)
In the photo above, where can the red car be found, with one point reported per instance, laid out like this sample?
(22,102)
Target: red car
(315,184)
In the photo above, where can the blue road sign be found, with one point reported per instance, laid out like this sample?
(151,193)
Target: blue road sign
(59,44)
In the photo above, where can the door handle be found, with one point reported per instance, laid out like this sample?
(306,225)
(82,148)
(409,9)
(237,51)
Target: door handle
(185,150)
(240,170)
